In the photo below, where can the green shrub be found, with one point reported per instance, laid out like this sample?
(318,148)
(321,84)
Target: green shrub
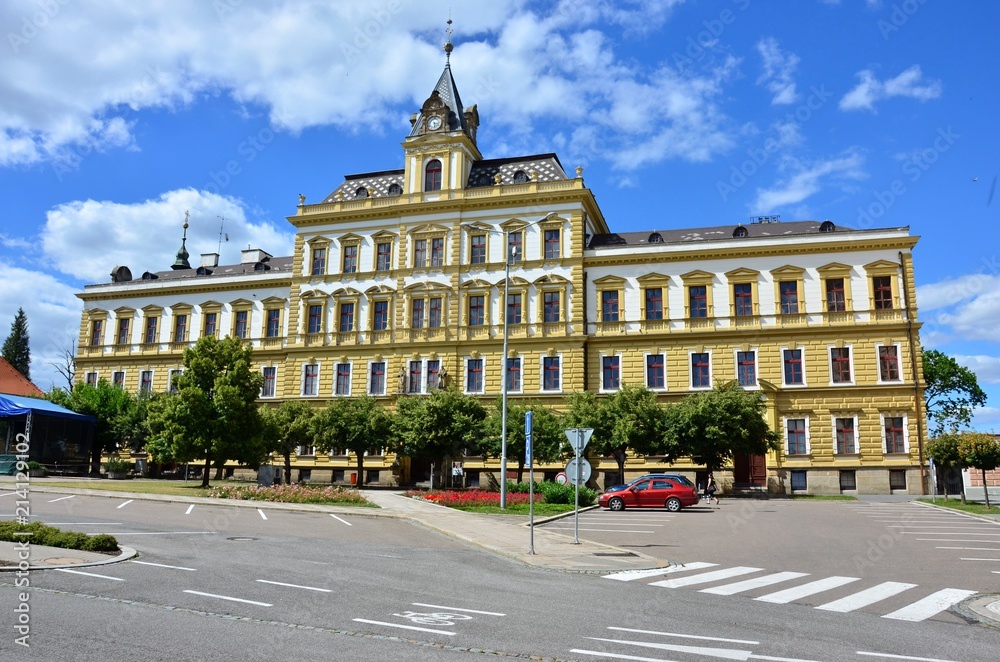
(50,536)
(69,540)
(101,543)
(117,465)
(557,493)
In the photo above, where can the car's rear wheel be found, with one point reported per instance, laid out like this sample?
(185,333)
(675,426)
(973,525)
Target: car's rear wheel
(673,504)
(616,504)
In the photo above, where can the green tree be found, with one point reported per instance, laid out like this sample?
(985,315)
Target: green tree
(439,425)
(950,393)
(15,347)
(981,451)
(713,425)
(287,427)
(628,420)
(359,425)
(115,411)
(944,450)
(547,434)
(213,416)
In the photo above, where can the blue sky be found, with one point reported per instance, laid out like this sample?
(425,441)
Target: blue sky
(117,117)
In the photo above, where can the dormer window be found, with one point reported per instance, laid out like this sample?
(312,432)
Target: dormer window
(203,271)
(520,177)
(827,226)
(655,238)
(740,232)
(149,276)
(432,176)
(361,193)
(260,266)
(395,189)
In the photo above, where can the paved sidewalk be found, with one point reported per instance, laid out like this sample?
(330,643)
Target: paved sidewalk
(40,557)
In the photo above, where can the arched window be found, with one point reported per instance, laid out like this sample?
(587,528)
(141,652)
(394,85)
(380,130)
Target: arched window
(520,177)
(827,226)
(655,238)
(362,192)
(740,231)
(395,189)
(432,176)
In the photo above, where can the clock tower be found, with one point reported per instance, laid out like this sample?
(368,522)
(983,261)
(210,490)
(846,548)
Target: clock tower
(441,147)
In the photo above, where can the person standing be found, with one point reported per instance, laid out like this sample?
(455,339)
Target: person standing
(711,488)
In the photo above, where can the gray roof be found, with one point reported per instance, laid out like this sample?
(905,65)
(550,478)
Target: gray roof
(378,182)
(448,93)
(716,233)
(248,269)
(546,166)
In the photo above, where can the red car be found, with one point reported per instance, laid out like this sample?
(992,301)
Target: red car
(651,493)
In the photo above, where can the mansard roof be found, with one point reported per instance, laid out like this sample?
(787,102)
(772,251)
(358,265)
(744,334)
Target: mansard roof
(248,269)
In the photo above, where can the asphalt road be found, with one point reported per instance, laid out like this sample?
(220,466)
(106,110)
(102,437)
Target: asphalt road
(217,582)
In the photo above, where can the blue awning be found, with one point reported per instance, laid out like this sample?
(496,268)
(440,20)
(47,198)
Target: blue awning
(19,405)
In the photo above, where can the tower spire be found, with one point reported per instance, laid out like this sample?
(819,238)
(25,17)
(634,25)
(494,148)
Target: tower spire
(448,46)
(182,255)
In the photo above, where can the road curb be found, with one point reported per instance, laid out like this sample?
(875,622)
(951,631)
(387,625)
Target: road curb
(126,554)
(985,518)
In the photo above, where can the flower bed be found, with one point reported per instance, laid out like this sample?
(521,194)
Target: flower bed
(459,499)
(291,494)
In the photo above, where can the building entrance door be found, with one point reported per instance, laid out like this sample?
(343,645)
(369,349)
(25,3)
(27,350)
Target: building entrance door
(749,469)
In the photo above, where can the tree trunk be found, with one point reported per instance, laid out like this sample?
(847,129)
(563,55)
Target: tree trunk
(205,472)
(361,470)
(95,461)
(218,471)
(620,459)
(288,467)
(986,491)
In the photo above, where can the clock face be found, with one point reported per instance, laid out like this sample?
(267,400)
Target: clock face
(434,123)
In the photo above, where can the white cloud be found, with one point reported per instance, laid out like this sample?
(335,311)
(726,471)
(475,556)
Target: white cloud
(987,368)
(986,419)
(145,236)
(909,84)
(808,179)
(779,66)
(948,293)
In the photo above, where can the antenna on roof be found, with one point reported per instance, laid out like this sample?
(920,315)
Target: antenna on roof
(222,222)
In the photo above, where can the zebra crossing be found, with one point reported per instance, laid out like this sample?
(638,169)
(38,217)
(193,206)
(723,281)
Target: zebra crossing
(700,573)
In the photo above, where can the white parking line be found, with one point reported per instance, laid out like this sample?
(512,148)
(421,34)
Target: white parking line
(226,597)
(685,636)
(126,503)
(84,523)
(867,597)
(974,549)
(152,533)
(7,494)
(340,520)
(62,498)
(469,611)
(190,508)
(570,528)
(903,657)
(308,588)
(160,565)
(964,559)
(262,515)
(932,604)
(955,539)
(705,577)
(632,575)
(90,574)
(941,526)
(404,627)
(945,533)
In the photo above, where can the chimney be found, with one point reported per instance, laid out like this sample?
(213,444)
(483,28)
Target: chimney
(210,260)
(254,255)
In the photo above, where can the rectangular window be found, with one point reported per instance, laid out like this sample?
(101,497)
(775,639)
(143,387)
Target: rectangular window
(180,328)
(836,300)
(846,438)
(698,301)
(437,252)
(270,379)
(315,319)
(273,323)
(897,479)
(551,307)
(211,324)
(342,384)
(420,253)
(515,251)
(242,317)
(513,309)
(310,379)
(416,377)
(799,481)
(376,383)
(436,313)
(151,329)
(474,376)
(792,359)
(550,373)
(346,317)
(380,318)
(840,365)
(146,381)
(895,437)
(118,379)
(552,244)
(654,303)
(610,373)
(318,261)
(609,306)
(848,480)
(433,375)
(888,363)
(172,379)
(656,373)
(514,374)
(746,368)
(123,331)
(91,379)
(743,298)
(795,429)
(417,314)
(478,249)
(882,291)
(701,371)
(383,257)
(788,292)
(477,311)
(96,331)
(350,259)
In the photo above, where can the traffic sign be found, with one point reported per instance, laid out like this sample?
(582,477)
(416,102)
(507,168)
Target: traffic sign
(561,478)
(584,469)
(527,439)
(579,438)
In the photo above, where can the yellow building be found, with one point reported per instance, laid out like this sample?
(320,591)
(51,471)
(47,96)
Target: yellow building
(397,286)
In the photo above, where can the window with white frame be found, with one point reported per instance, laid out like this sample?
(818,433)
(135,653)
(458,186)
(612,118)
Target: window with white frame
(267,390)
(551,373)
(145,381)
(91,379)
(433,374)
(796,436)
(701,370)
(514,374)
(793,366)
(888,363)
(118,378)
(894,433)
(845,434)
(474,381)
(656,371)
(172,379)
(611,375)
(840,365)
(746,368)
(342,378)
(376,378)
(415,381)
(310,379)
